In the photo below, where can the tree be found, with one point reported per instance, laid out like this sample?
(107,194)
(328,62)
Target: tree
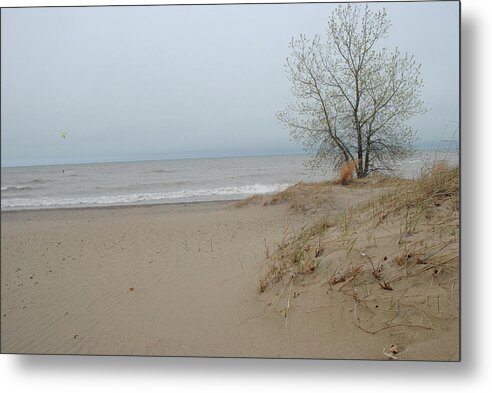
(353,97)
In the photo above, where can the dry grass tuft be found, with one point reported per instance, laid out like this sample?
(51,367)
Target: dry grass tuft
(299,254)
(436,185)
(301,197)
(396,255)
(317,197)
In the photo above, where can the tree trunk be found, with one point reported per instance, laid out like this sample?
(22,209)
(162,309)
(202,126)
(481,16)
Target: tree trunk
(360,152)
(368,152)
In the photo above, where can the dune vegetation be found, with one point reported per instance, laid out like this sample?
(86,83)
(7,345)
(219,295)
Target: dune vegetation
(394,253)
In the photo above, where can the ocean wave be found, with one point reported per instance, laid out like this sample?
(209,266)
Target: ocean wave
(161,171)
(233,192)
(37,181)
(143,186)
(11,188)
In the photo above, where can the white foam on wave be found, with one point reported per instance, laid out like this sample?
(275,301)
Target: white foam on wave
(233,192)
(8,188)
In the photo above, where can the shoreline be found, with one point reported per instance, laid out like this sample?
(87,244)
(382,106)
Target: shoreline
(126,206)
(47,190)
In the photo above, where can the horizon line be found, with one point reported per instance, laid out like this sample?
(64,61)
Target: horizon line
(125,160)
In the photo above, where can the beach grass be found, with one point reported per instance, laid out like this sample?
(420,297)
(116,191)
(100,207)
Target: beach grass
(393,255)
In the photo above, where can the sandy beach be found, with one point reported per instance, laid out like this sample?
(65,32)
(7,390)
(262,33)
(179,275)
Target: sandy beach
(162,280)
(182,280)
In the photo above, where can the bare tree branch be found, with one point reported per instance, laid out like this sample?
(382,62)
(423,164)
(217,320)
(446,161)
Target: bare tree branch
(353,101)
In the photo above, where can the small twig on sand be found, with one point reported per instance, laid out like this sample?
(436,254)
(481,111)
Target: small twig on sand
(397,333)
(426,306)
(389,355)
(288,300)
(437,265)
(363,255)
(266,248)
(317,308)
(392,326)
(437,252)
(345,283)
(452,287)
(405,291)
(355,312)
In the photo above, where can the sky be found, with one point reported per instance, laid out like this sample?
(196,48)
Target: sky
(135,83)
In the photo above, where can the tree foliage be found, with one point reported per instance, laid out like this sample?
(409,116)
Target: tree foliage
(353,98)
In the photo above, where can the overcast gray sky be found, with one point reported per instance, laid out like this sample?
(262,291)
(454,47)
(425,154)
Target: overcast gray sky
(130,83)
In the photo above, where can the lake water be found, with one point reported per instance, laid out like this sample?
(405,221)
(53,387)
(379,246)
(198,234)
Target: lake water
(167,181)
